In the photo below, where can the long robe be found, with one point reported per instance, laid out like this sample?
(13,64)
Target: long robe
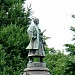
(35,46)
(33,31)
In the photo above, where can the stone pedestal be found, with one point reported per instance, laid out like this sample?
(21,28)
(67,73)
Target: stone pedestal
(36,68)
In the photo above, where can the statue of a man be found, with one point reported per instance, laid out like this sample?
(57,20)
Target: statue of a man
(33,32)
(36,45)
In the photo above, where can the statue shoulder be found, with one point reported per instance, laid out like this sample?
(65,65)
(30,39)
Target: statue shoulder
(30,27)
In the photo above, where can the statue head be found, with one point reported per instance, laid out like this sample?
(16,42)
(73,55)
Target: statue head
(36,21)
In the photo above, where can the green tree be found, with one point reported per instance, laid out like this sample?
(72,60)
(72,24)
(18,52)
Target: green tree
(70,69)
(14,20)
(2,61)
(56,61)
(13,11)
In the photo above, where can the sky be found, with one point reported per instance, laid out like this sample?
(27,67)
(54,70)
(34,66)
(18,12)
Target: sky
(56,17)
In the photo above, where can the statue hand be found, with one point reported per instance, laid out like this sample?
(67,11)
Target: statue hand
(41,33)
(33,38)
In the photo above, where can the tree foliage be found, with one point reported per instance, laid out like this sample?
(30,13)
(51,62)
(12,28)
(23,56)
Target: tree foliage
(56,61)
(70,68)
(14,20)
(13,11)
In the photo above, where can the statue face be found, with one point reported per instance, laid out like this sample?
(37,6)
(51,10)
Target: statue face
(36,21)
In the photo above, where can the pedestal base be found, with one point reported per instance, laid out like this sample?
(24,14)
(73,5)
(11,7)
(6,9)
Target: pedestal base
(36,68)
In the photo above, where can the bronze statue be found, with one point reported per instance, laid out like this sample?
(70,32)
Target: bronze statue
(37,44)
(36,49)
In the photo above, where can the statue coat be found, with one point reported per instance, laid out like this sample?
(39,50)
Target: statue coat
(33,31)
(36,47)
